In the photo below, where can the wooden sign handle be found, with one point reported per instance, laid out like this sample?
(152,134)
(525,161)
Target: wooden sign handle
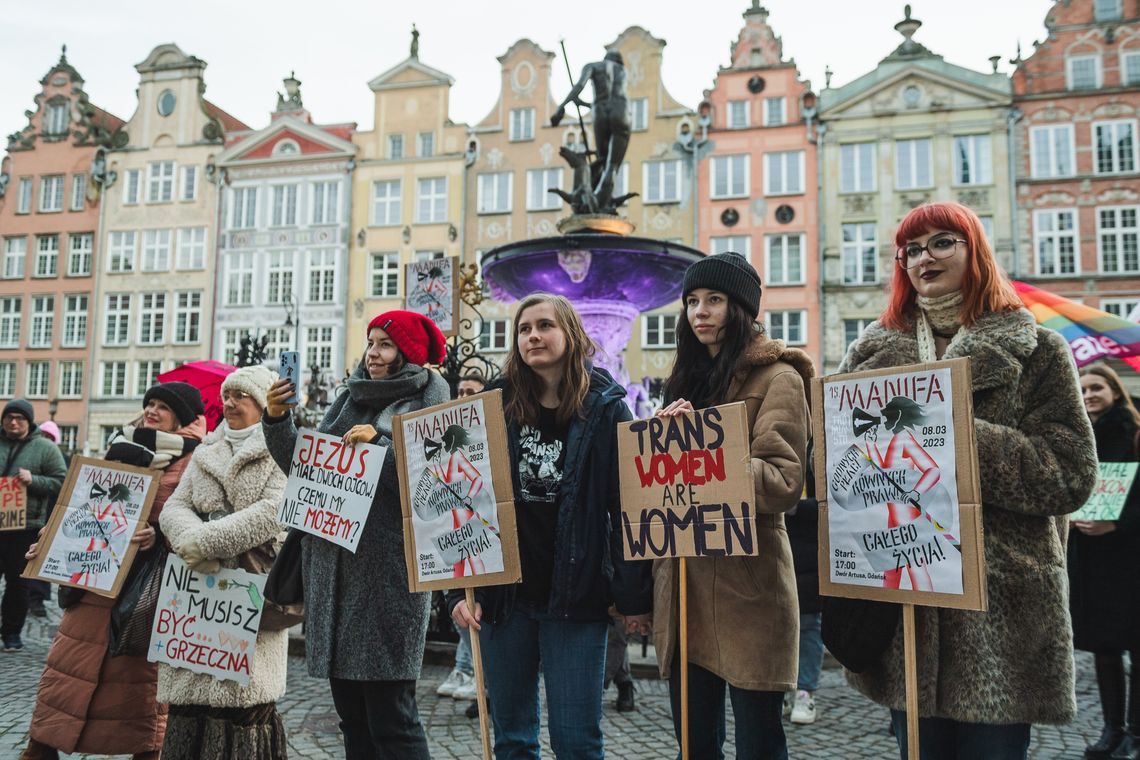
(910,664)
(684,630)
(481,696)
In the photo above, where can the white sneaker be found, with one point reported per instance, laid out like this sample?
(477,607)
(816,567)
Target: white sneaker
(803,712)
(453,681)
(467,689)
(789,700)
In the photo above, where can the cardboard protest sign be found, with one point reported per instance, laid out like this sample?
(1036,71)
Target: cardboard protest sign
(13,504)
(897,482)
(686,485)
(207,623)
(87,539)
(457,495)
(1111,492)
(330,487)
(431,288)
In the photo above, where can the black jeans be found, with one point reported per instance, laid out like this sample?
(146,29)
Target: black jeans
(379,720)
(14,606)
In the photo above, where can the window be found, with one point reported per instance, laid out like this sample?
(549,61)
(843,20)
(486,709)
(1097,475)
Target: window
(1115,147)
(988,228)
(1119,307)
(322,276)
(912,164)
(160,182)
(42,322)
(425,144)
(774,114)
(239,279)
(1116,235)
(24,196)
(188,186)
(230,344)
(51,192)
(662,181)
(973,160)
(1084,72)
(132,185)
(156,251)
(495,335)
(80,247)
(187,316)
(621,180)
(106,433)
(1052,151)
(729,177)
(853,329)
(47,256)
(15,252)
(147,376)
(78,191)
(386,203)
(71,379)
(431,200)
(395,147)
(7,379)
(284,205)
(421,256)
(741,244)
(166,102)
(244,208)
(659,331)
(74,321)
(114,379)
(278,339)
(10,322)
(69,438)
(326,197)
(1107,10)
(319,347)
(639,114)
(116,320)
(538,182)
(522,124)
(38,381)
(784,173)
(737,114)
(56,119)
(857,168)
(152,319)
(1055,240)
(785,259)
(1130,67)
(493,193)
(860,255)
(279,280)
(191,248)
(385,275)
(787,326)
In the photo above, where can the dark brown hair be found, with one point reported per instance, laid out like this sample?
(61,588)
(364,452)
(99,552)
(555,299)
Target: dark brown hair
(1108,374)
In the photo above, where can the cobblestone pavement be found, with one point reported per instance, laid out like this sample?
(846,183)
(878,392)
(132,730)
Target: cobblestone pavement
(848,725)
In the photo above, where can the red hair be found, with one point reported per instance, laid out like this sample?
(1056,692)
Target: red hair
(984,285)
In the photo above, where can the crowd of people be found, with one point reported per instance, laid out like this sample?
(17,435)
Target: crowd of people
(753,621)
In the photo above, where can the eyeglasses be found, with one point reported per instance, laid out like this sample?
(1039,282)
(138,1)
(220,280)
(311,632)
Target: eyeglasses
(939,247)
(235,396)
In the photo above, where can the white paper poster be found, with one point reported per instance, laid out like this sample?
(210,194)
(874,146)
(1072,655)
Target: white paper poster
(430,290)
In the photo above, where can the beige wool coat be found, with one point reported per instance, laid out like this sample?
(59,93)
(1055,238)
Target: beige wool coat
(743,614)
(1037,457)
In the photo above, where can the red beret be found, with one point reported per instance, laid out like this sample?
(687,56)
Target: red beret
(417,337)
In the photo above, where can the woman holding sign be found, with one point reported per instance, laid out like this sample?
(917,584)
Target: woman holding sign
(743,619)
(364,631)
(1104,570)
(984,677)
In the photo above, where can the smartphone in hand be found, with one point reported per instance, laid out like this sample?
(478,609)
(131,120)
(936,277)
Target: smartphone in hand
(291,371)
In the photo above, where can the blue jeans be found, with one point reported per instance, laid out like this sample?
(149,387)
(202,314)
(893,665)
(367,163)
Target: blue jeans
(572,657)
(945,739)
(811,651)
(759,729)
(463,652)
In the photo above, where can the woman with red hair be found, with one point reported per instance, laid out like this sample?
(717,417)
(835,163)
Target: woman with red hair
(984,677)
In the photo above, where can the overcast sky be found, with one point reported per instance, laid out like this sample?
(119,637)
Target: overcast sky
(336,46)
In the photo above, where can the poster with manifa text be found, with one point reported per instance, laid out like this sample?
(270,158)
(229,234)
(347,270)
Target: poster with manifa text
(898,485)
(431,288)
(457,495)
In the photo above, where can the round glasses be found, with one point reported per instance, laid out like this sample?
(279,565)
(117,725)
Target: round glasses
(939,247)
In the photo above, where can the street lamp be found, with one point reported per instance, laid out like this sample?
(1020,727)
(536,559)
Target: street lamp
(697,148)
(53,407)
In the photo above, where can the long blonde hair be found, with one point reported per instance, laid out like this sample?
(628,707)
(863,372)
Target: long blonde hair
(526,386)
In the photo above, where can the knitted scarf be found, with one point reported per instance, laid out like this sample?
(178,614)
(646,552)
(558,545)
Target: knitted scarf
(147,447)
(940,313)
(376,402)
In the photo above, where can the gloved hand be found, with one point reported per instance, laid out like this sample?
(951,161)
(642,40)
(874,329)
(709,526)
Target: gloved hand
(206,566)
(191,553)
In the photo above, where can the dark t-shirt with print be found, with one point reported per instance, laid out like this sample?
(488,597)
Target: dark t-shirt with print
(542,452)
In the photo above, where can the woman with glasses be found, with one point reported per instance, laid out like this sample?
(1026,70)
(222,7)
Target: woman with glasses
(984,677)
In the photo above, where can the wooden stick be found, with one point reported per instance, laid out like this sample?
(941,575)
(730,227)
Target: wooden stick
(911,665)
(481,697)
(684,629)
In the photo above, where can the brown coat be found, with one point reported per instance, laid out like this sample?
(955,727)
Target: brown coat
(89,701)
(743,617)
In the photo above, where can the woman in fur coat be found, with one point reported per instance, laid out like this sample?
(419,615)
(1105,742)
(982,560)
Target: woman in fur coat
(984,677)
(225,506)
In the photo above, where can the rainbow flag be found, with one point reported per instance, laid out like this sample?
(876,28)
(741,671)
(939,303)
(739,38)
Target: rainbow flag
(1092,334)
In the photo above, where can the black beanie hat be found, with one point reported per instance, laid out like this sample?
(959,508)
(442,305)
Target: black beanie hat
(731,274)
(183,399)
(20,406)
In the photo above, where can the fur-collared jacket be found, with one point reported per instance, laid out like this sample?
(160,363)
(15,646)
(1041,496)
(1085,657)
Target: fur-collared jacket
(1037,458)
(244,481)
(743,617)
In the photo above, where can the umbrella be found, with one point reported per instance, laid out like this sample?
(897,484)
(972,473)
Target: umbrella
(1092,334)
(207,377)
